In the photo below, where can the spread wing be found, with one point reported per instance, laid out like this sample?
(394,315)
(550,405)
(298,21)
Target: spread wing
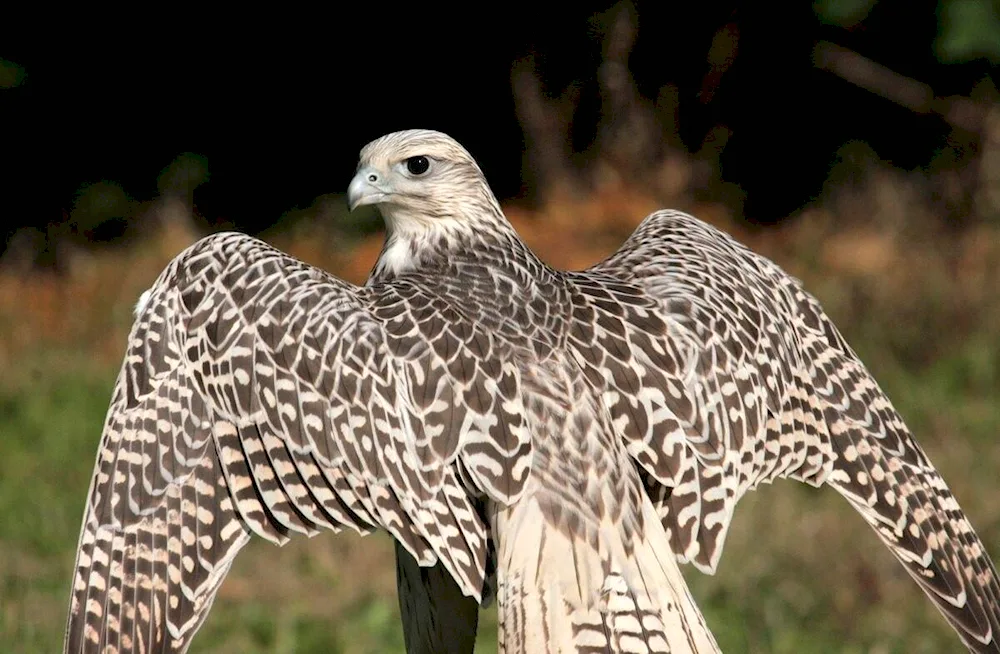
(722,373)
(259,395)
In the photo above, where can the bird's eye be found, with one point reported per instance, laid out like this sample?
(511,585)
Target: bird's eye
(417,165)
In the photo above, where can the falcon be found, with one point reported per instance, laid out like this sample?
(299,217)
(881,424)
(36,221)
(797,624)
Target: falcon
(558,440)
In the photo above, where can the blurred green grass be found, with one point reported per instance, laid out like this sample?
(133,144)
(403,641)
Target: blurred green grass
(801,572)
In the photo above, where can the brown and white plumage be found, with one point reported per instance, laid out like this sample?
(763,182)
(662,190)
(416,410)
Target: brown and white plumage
(567,433)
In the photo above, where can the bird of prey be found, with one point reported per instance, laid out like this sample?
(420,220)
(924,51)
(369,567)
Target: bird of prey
(557,439)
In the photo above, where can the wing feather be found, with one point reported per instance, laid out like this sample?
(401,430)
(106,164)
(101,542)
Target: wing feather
(259,395)
(742,378)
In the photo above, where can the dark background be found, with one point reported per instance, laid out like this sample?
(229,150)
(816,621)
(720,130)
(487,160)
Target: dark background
(279,103)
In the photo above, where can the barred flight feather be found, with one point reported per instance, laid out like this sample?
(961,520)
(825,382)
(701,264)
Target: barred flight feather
(260,395)
(735,376)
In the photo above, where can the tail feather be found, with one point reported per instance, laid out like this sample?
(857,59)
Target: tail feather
(597,589)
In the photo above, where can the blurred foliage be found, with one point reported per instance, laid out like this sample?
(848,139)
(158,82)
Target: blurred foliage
(845,13)
(969,29)
(11,74)
(183,175)
(96,205)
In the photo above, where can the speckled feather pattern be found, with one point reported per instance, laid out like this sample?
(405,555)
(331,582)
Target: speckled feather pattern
(560,439)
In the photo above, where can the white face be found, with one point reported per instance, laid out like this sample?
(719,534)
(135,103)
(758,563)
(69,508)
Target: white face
(375,184)
(417,174)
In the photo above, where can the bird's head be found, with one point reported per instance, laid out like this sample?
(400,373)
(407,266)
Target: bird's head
(418,178)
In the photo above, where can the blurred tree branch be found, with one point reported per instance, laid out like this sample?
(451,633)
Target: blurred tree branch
(628,135)
(978,118)
(636,137)
(905,91)
(546,124)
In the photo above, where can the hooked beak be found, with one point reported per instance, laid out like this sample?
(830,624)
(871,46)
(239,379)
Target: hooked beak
(367,187)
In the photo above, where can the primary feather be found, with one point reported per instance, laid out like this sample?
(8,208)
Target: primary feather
(558,438)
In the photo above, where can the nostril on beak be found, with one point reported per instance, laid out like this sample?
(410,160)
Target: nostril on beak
(372,178)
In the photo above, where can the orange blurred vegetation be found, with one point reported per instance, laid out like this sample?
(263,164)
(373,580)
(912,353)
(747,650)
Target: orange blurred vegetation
(854,262)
